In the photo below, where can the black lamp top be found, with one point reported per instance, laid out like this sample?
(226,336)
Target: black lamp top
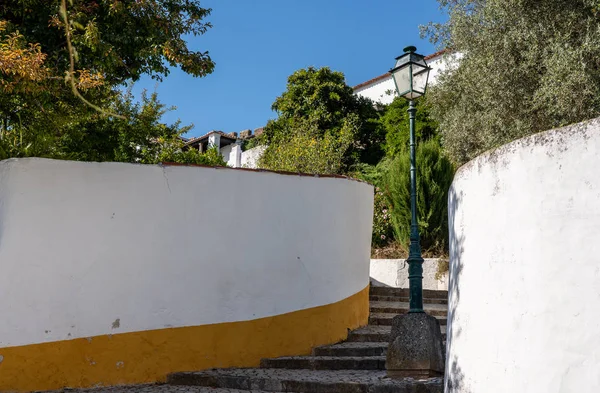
(410,49)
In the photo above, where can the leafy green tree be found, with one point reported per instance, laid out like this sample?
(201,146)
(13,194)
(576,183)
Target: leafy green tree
(395,122)
(140,136)
(99,46)
(318,102)
(122,40)
(527,66)
(435,174)
(307,149)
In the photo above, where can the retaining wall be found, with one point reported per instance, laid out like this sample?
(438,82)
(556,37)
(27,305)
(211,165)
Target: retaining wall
(394,273)
(118,273)
(525,266)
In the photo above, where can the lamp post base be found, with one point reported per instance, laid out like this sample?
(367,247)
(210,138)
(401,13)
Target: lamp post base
(416,347)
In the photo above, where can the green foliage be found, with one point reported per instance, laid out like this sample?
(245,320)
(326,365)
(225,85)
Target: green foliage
(320,104)
(176,153)
(251,143)
(382,221)
(115,43)
(141,137)
(434,177)
(395,122)
(307,149)
(122,39)
(528,66)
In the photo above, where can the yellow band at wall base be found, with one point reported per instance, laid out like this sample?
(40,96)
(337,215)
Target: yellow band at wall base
(148,356)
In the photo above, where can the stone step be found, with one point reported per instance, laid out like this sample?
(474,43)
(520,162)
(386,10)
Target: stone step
(370,333)
(374,333)
(326,362)
(403,292)
(382,298)
(386,319)
(403,307)
(150,388)
(320,381)
(352,349)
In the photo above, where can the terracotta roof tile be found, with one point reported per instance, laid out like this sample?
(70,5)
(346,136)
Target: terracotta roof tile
(205,136)
(387,74)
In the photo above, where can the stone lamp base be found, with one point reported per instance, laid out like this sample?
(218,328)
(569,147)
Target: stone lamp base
(416,347)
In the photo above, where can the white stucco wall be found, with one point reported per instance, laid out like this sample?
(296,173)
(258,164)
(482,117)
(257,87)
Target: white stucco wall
(232,154)
(382,91)
(525,267)
(227,156)
(394,273)
(89,249)
(379,91)
(250,157)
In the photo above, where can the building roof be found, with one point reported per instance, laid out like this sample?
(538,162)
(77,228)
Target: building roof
(387,74)
(198,139)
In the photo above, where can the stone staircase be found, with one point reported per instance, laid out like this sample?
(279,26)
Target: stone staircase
(354,366)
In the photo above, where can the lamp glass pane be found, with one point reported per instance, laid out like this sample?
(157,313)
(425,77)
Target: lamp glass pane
(402,60)
(420,77)
(402,78)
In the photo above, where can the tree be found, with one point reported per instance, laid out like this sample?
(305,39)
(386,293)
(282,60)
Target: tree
(122,40)
(306,149)
(100,46)
(320,104)
(435,175)
(395,122)
(140,136)
(527,66)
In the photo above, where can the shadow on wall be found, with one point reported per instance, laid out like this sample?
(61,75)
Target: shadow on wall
(455,378)
(375,283)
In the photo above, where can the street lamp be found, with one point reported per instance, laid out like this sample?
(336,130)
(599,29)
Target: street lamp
(415,348)
(411,74)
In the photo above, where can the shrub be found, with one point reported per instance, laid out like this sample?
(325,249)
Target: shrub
(434,177)
(382,222)
(304,148)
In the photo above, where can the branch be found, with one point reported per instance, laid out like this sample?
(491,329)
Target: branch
(71,73)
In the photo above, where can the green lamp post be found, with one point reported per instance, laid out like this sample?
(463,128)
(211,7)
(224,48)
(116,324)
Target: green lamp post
(411,74)
(416,345)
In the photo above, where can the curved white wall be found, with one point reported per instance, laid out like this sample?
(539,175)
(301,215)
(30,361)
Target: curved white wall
(90,249)
(525,267)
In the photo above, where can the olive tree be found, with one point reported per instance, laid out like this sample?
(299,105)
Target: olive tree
(527,66)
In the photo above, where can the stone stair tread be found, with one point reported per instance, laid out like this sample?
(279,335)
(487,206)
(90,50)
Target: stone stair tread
(385,298)
(392,315)
(349,344)
(378,333)
(426,307)
(352,349)
(328,357)
(404,292)
(154,388)
(326,362)
(322,381)
(386,318)
(380,329)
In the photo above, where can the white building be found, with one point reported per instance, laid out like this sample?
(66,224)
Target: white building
(381,89)
(230,146)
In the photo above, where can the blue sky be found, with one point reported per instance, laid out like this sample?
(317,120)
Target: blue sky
(257,44)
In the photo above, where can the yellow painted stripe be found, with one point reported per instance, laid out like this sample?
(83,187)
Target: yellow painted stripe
(148,356)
